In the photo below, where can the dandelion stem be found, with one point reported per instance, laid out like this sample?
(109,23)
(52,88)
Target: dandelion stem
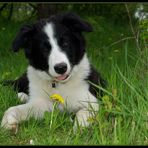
(52,114)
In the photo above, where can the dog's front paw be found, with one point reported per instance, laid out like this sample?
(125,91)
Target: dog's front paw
(82,120)
(80,124)
(10,119)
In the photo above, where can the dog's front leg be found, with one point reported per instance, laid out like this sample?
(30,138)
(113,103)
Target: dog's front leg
(14,115)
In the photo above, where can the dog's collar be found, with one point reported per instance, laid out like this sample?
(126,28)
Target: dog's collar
(54,84)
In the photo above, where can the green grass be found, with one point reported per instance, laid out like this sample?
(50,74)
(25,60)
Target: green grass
(123,116)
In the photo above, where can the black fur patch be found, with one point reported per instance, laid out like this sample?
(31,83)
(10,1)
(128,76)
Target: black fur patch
(21,84)
(68,32)
(96,78)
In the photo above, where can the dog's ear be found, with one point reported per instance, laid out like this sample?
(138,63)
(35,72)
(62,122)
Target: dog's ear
(75,23)
(22,38)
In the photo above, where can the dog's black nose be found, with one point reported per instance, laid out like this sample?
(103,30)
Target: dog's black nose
(60,68)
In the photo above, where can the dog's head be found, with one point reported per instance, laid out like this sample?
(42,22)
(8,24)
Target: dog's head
(54,45)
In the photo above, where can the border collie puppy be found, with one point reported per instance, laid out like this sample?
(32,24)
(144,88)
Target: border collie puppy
(58,64)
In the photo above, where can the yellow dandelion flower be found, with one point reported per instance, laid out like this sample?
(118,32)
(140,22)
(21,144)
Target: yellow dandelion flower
(57,98)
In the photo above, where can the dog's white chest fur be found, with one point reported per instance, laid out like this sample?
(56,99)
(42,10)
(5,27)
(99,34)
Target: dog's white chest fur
(75,91)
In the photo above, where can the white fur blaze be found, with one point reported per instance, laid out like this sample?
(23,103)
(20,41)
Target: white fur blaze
(56,55)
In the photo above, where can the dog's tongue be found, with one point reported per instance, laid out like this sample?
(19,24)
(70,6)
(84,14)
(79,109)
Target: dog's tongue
(63,77)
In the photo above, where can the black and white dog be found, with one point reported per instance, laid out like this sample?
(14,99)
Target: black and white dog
(58,64)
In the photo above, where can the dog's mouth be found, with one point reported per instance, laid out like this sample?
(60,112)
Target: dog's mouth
(62,77)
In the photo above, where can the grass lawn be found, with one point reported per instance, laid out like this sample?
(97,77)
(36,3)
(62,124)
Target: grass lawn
(123,115)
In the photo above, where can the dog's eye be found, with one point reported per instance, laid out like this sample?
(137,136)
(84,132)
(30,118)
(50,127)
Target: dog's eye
(46,49)
(46,46)
(65,44)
